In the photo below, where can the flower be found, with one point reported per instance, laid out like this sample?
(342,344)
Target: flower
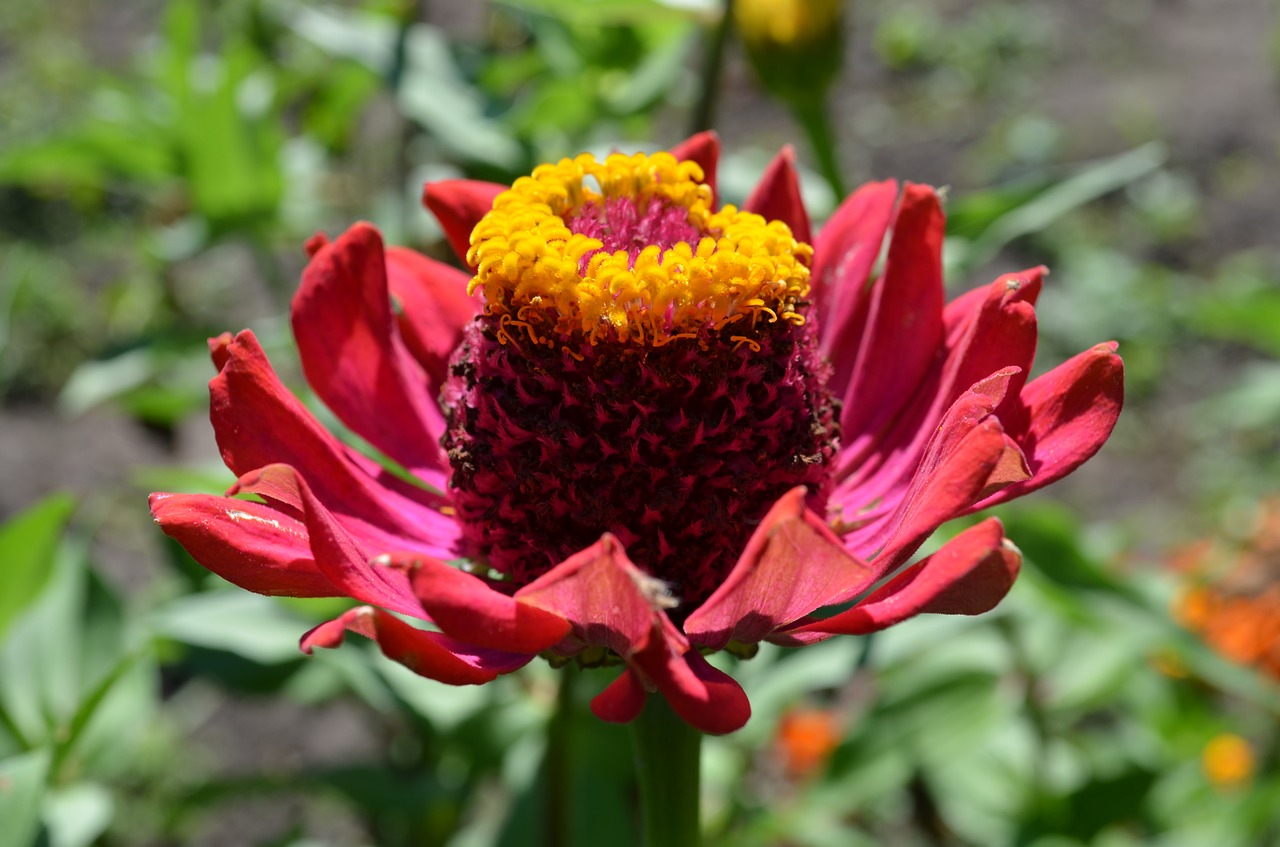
(1227,760)
(795,46)
(665,429)
(1232,599)
(806,738)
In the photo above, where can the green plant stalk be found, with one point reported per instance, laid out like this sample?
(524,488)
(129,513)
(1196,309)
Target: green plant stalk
(557,769)
(668,753)
(815,120)
(703,116)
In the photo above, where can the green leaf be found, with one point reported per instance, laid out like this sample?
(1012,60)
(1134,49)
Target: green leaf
(432,89)
(161,381)
(22,783)
(226,128)
(616,12)
(1048,536)
(61,663)
(28,542)
(1251,318)
(248,625)
(1038,211)
(78,815)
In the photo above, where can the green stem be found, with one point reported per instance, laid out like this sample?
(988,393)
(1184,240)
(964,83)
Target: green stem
(704,111)
(556,766)
(668,753)
(815,120)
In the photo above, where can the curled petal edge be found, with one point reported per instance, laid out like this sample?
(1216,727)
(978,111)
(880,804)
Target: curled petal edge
(969,575)
(429,654)
(466,608)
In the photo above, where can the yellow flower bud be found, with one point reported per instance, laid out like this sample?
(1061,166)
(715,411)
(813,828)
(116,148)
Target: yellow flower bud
(795,45)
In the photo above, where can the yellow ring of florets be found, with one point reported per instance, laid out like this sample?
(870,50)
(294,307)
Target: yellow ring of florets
(743,270)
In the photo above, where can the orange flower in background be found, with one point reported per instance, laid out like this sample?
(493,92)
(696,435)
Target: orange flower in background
(1234,601)
(1227,760)
(806,739)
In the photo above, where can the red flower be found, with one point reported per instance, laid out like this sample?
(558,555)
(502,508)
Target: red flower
(650,453)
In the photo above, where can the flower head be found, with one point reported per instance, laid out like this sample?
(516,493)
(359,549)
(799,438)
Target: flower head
(644,429)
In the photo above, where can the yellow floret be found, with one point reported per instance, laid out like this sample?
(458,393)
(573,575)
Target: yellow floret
(743,270)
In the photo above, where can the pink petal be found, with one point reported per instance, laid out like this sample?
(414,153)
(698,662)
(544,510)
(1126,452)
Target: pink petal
(966,451)
(622,700)
(999,333)
(353,357)
(1069,414)
(904,321)
(254,546)
(791,566)
(610,602)
(968,576)
(459,204)
(257,422)
(428,654)
(466,608)
(988,330)
(777,196)
(843,255)
(434,309)
(341,556)
(703,148)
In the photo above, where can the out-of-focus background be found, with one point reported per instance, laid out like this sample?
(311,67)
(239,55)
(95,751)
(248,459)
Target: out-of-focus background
(161,164)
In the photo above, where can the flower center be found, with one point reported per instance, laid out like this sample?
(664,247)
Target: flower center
(643,367)
(643,257)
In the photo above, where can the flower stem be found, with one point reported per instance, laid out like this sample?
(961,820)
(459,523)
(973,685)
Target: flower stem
(713,60)
(557,768)
(814,118)
(668,753)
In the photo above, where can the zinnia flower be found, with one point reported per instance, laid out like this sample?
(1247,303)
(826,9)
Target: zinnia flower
(1232,599)
(647,429)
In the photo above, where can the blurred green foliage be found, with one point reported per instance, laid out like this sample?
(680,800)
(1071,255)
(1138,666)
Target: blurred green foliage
(157,176)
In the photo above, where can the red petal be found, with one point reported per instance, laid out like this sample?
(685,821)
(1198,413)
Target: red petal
(610,602)
(904,325)
(353,357)
(428,654)
(708,699)
(622,700)
(341,556)
(1069,414)
(466,608)
(777,196)
(703,148)
(434,309)
(459,204)
(257,422)
(254,546)
(791,566)
(968,576)
(315,244)
(843,255)
(999,333)
(220,349)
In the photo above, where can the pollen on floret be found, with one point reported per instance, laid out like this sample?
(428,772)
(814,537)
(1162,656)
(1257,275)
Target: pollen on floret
(630,248)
